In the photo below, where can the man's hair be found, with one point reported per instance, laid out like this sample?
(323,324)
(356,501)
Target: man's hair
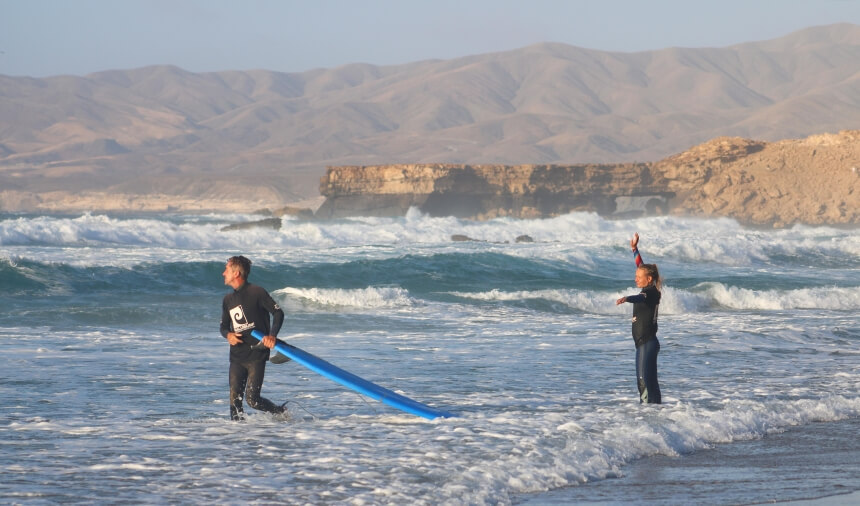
(241,264)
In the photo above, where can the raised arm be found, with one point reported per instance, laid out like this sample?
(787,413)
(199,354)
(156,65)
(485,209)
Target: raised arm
(634,244)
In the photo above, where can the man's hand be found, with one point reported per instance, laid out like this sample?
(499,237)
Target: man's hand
(634,243)
(268,342)
(622,300)
(234,338)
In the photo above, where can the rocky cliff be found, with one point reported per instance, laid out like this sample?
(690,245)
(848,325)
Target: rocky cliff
(812,181)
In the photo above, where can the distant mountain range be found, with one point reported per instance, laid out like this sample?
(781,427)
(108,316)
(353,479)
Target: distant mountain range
(262,136)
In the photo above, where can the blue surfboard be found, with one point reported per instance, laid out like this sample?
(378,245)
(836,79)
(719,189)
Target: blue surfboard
(349,380)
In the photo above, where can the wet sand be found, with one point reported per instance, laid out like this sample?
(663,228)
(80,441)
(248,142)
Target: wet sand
(815,464)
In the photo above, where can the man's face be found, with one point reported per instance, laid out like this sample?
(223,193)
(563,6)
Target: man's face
(231,274)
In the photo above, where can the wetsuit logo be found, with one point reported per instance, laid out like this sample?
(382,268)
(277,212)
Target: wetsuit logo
(240,321)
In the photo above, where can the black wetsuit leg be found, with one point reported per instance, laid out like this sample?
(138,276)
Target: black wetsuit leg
(256,371)
(238,379)
(646,372)
(247,378)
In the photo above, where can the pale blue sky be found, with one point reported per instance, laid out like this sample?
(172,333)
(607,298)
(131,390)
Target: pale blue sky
(52,37)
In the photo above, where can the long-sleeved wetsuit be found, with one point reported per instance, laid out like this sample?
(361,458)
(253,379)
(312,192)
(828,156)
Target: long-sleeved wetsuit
(245,309)
(645,309)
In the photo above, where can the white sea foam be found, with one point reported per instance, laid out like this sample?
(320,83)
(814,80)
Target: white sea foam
(600,442)
(577,237)
(828,297)
(370,297)
(704,297)
(594,302)
(506,453)
(103,230)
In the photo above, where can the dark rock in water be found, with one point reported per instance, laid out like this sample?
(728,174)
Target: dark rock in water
(524,238)
(273,223)
(466,238)
(461,238)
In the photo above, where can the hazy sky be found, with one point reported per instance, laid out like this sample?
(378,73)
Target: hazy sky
(51,37)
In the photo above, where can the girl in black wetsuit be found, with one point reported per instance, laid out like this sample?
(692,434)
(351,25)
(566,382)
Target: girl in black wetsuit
(645,305)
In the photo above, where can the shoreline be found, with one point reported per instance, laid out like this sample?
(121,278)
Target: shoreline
(816,464)
(131,205)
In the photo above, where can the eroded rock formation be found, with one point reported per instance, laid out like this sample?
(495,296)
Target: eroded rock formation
(814,181)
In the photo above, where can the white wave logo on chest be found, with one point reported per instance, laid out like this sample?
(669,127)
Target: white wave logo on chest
(240,321)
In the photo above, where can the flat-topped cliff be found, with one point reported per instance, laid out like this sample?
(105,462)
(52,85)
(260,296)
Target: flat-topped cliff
(814,181)
(484,191)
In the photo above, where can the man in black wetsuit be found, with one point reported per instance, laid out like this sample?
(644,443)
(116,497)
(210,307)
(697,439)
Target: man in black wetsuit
(248,308)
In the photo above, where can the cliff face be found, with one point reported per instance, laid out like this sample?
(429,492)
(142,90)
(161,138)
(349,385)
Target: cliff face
(814,181)
(486,191)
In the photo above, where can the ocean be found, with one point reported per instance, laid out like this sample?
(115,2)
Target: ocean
(114,374)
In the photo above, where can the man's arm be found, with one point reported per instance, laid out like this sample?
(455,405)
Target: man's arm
(225,321)
(277,314)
